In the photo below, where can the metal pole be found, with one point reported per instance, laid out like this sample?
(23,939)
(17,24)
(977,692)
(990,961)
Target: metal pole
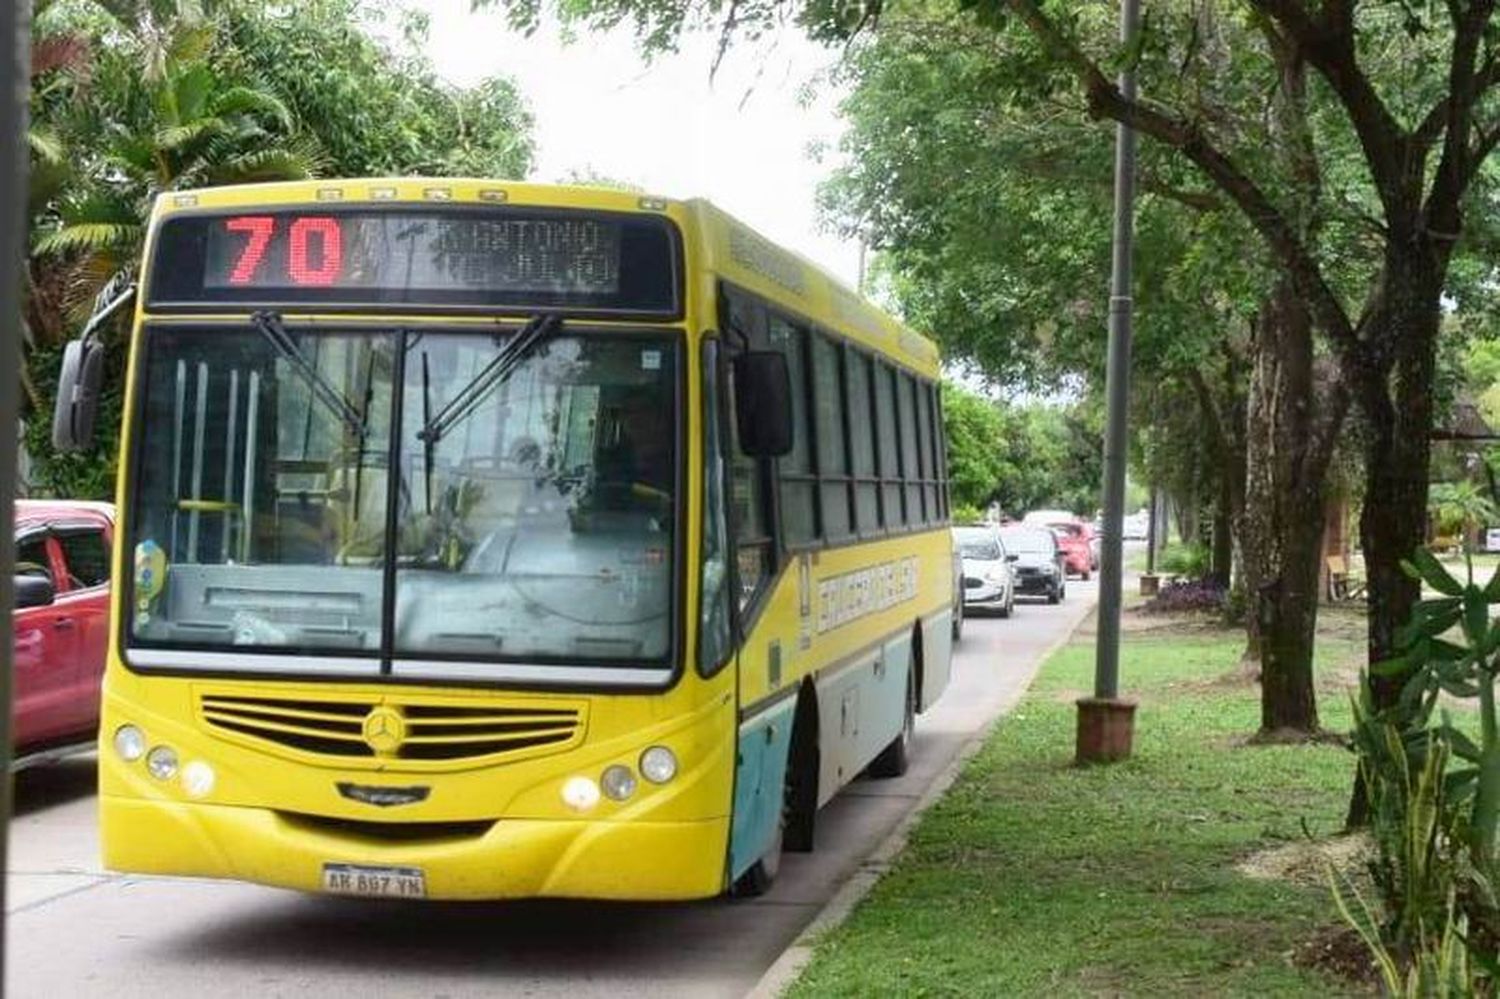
(15,74)
(1117,385)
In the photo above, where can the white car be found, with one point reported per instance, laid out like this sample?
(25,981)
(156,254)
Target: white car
(989,583)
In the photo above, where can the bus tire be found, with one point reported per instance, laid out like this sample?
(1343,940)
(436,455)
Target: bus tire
(800,817)
(895,758)
(757,880)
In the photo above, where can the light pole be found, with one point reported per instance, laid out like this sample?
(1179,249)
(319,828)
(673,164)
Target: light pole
(15,74)
(1105,721)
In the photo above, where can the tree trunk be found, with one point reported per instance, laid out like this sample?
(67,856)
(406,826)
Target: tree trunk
(1222,563)
(1398,448)
(1293,416)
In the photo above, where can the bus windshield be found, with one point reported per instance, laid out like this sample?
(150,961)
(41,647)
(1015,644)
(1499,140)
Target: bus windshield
(524,512)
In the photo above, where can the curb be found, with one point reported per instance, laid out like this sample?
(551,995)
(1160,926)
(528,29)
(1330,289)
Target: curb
(785,969)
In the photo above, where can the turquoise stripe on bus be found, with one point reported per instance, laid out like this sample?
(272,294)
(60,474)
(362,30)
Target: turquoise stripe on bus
(759,780)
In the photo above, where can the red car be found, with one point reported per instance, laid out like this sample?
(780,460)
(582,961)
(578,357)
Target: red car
(1078,554)
(61,624)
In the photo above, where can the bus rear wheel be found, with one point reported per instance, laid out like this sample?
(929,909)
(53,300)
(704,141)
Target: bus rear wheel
(895,758)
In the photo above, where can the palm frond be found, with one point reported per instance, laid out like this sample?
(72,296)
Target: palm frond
(175,137)
(261,165)
(86,237)
(250,101)
(45,145)
(191,42)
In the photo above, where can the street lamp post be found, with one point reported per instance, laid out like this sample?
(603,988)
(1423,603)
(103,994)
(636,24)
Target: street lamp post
(1106,721)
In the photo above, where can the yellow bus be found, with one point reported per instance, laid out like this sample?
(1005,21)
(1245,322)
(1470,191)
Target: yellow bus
(494,540)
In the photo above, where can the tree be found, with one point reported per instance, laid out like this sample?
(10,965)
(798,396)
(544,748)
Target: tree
(992,215)
(975,434)
(1407,85)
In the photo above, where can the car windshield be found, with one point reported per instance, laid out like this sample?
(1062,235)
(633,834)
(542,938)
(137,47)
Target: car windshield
(977,544)
(1028,540)
(531,516)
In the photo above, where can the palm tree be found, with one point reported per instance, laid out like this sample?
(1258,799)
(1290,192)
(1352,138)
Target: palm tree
(159,116)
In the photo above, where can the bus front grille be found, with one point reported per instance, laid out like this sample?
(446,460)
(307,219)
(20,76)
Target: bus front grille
(396,727)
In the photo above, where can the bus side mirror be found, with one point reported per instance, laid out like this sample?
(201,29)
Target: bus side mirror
(33,591)
(77,395)
(763,403)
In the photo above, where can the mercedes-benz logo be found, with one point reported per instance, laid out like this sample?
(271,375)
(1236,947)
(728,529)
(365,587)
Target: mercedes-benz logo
(384,730)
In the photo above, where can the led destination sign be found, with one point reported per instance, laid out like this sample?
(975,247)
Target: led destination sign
(497,257)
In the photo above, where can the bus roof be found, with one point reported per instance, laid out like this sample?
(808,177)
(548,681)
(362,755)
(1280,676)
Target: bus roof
(723,244)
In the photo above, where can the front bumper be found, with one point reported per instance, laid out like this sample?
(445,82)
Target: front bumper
(1036,584)
(512,858)
(986,594)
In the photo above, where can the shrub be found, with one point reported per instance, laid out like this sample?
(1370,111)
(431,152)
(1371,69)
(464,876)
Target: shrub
(1191,560)
(1434,794)
(1187,597)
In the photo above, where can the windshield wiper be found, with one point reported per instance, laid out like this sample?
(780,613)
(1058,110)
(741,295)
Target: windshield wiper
(270,326)
(469,398)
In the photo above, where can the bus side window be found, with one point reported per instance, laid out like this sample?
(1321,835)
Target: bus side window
(752,533)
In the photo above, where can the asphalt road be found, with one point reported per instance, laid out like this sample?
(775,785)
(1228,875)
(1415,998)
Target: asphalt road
(74,930)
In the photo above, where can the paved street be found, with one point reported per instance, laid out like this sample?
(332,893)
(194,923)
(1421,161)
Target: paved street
(76,931)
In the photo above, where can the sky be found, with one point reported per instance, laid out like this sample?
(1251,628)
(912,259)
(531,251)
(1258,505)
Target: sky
(742,139)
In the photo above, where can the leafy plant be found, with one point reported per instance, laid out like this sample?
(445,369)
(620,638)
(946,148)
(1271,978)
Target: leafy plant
(1190,560)
(1435,791)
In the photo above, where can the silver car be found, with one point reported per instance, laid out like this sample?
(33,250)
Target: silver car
(989,583)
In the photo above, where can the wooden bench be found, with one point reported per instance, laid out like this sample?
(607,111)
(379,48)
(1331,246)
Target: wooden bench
(1341,585)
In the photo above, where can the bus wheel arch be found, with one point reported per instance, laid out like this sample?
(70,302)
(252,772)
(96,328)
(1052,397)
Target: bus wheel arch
(802,768)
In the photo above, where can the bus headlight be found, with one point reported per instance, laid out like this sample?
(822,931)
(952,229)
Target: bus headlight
(198,779)
(658,764)
(618,782)
(130,743)
(580,794)
(161,762)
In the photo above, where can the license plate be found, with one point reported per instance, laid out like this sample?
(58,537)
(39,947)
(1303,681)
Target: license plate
(375,882)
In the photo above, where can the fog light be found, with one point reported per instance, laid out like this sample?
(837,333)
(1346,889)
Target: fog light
(618,782)
(658,764)
(580,794)
(198,779)
(130,743)
(162,762)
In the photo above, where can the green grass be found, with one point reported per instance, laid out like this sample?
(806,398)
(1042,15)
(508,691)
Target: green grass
(1032,876)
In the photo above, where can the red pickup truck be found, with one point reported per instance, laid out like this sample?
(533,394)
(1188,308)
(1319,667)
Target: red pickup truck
(61,623)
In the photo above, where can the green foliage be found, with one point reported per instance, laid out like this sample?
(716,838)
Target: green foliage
(975,436)
(1434,790)
(965,514)
(131,100)
(1191,560)
(1023,457)
(1460,508)
(376,108)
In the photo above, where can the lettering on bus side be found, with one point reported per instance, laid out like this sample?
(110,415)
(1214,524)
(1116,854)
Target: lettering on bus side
(857,594)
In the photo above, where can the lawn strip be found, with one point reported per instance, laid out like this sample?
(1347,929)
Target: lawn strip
(1033,876)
